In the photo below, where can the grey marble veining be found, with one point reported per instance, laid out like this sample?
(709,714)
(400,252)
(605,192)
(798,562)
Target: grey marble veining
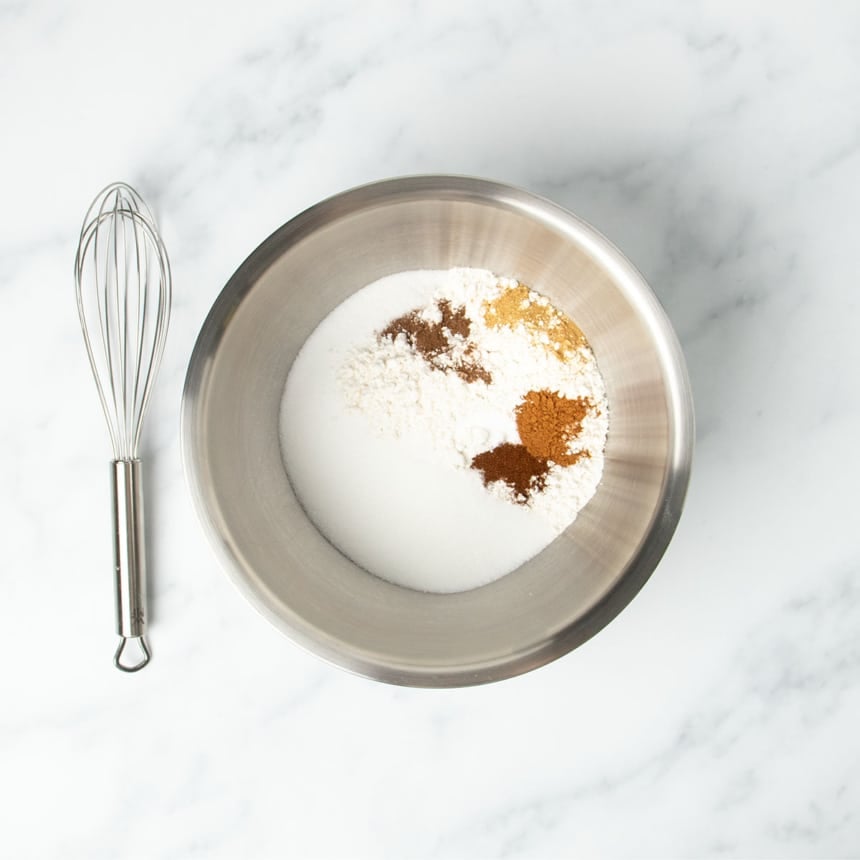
(717,144)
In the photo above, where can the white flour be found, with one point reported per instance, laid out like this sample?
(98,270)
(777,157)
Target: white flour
(379,444)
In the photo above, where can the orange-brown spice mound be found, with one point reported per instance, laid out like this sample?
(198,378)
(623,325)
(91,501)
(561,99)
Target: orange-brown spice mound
(548,423)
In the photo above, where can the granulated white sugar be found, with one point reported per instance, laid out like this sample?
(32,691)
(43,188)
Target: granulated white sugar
(405,400)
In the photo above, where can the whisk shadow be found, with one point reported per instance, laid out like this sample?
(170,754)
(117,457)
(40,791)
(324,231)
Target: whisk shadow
(153,539)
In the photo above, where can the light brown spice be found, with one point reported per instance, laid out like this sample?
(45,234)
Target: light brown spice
(435,341)
(548,423)
(513,464)
(521,306)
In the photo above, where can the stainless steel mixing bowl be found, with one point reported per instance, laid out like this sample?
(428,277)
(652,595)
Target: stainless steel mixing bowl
(274,553)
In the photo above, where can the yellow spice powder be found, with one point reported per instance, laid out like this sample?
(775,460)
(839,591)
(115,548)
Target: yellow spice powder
(521,306)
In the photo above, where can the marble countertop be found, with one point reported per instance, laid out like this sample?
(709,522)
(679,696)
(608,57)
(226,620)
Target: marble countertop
(718,144)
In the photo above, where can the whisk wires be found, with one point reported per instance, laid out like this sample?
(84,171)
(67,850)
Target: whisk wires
(124,290)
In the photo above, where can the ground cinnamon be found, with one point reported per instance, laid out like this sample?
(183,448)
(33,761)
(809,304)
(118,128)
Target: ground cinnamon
(548,423)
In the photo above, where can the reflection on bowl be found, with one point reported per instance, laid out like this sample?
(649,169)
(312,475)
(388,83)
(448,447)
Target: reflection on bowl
(272,550)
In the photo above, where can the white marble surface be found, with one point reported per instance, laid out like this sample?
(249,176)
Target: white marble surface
(718,144)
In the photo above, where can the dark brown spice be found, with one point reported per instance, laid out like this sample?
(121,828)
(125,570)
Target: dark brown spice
(472,372)
(435,340)
(513,464)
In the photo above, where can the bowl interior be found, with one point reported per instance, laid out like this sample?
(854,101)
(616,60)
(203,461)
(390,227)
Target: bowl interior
(275,553)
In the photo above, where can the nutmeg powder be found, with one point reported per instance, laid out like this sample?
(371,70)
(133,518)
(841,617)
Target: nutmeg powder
(436,341)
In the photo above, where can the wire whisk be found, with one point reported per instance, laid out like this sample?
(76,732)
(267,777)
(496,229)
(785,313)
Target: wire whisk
(124,290)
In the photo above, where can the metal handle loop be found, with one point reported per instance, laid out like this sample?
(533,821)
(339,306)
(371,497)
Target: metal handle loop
(137,666)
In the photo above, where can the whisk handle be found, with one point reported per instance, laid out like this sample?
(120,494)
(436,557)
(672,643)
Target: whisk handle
(129,558)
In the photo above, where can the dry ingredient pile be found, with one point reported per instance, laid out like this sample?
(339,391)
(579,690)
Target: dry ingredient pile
(443,427)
